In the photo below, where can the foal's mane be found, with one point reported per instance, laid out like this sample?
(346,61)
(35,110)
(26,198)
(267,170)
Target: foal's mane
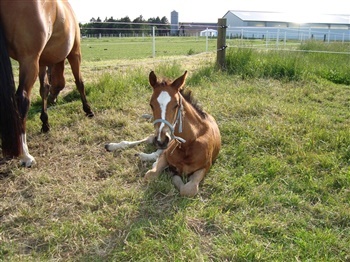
(188,96)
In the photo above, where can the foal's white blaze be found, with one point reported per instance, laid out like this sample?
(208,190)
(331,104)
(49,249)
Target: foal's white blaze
(163,100)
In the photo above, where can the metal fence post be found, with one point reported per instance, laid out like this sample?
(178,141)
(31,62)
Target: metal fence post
(154,41)
(221,43)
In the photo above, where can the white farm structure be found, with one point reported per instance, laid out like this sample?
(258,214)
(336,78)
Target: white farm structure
(257,24)
(209,33)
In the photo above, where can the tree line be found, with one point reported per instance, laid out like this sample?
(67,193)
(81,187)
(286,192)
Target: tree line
(125,26)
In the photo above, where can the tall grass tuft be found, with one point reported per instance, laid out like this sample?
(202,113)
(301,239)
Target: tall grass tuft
(332,64)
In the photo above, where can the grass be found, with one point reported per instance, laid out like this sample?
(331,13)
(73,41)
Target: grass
(141,47)
(330,62)
(279,190)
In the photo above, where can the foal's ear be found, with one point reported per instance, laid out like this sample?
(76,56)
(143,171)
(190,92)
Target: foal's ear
(179,82)
(152,79)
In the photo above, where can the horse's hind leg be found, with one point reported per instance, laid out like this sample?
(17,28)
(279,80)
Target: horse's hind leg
(57,82)
(44,92)
(191,188)
(74,61)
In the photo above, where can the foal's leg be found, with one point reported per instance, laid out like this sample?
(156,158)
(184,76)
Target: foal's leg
(126,144)
(150,157)
(157,168)
(44,92)
(191,188)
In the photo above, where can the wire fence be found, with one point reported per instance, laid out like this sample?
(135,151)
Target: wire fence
(284,34)
(158,42)
(128,29)
(271,38)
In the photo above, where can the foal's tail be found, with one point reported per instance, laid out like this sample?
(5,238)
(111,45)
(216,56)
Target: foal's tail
(10,123)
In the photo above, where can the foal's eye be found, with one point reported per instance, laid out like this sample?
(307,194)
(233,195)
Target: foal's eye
(151,106)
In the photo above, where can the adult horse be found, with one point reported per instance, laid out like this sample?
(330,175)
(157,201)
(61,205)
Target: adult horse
(38,34)
(188,139)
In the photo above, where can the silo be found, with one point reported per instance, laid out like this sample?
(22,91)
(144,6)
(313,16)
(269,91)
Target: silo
(174,23)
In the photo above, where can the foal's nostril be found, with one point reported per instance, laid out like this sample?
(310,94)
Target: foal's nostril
(161,144)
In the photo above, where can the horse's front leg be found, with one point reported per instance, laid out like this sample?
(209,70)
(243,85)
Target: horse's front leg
(28,72)
(27,159)
(191,188)
(157,168)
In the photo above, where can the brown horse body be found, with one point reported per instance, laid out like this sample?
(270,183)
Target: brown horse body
(190,138)
(41,34)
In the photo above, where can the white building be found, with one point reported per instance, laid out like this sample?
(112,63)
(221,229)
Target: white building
(209,33)
(257,24)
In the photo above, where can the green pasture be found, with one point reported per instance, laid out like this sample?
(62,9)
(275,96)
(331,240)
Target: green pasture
(279,190)
(97,49)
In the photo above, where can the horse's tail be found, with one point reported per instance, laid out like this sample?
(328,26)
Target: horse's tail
(10,123)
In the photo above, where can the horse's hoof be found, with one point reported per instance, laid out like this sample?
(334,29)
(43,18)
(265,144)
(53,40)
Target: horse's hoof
(51,100)
(28,161)
(45,129)
(90,115)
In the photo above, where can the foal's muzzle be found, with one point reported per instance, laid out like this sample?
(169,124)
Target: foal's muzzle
(168,130)
(164,133)
(162,144)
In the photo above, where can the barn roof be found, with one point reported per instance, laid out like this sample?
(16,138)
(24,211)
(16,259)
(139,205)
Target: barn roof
(291,18)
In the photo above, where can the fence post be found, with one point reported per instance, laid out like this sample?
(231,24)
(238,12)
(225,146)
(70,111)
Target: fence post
(154,42)
(206,40)
(221,43)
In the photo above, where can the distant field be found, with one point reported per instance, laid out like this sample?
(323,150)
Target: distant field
(141,47)
(102,49)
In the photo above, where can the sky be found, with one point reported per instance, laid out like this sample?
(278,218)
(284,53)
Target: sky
(199,10)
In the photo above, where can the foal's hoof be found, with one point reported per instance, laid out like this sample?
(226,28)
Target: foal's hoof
(107,147)
(189,190)
(149,176)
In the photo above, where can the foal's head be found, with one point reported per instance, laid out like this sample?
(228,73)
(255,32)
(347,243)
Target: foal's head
(166,104)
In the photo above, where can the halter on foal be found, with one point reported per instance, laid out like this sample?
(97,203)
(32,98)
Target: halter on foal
(188,139)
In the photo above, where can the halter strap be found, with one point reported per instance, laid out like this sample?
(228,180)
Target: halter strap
(172,127)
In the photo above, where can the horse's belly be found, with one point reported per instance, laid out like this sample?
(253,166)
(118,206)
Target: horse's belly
(50,56)
(56,50)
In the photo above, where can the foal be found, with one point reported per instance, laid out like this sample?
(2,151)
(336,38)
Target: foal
(187,138)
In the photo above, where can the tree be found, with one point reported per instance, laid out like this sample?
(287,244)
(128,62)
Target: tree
(125,26)
(139,25)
